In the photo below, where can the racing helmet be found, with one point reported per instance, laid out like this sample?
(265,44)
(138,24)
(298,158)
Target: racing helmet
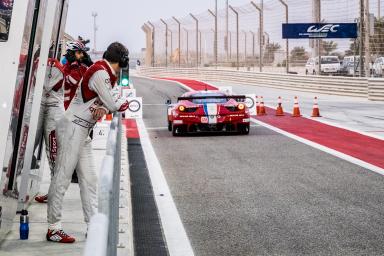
(75,46)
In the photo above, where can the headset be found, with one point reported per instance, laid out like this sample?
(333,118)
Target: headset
(124,60)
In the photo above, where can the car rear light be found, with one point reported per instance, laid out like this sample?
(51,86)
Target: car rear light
(181,108)
(241,106)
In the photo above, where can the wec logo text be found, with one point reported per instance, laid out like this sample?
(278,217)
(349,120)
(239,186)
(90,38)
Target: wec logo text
(324,29)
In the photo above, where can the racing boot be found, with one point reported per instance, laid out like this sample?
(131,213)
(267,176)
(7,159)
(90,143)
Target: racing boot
(43,199)
(59,236)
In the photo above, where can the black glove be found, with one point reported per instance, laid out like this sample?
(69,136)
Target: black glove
(86,60)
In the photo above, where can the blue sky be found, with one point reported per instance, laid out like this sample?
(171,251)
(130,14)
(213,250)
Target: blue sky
(121,20)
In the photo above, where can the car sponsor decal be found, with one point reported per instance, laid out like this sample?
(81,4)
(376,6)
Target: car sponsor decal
(211,110)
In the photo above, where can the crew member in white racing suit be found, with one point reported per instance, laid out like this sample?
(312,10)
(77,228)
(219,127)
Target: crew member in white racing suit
(51,110)
(94,98)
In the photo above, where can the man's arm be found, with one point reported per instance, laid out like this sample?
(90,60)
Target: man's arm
(101,84)
(54,79)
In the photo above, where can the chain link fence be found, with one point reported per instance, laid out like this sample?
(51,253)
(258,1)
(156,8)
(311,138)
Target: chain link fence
(249,37)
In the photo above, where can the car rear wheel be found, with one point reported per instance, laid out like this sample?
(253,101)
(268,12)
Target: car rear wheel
(244,129)
(177,130)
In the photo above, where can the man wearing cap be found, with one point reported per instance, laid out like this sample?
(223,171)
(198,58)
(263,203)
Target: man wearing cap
(94,98)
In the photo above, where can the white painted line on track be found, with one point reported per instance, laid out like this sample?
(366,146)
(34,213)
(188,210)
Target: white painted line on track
(321,120)
(176,238)
(323,148)
(156,128)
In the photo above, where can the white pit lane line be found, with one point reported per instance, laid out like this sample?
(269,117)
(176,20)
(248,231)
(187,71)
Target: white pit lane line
(176,238)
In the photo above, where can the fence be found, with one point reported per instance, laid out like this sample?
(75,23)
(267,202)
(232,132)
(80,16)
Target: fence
(103,230)
(250,36)
(348,86)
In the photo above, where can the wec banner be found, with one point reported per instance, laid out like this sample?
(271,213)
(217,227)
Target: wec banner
(319,30)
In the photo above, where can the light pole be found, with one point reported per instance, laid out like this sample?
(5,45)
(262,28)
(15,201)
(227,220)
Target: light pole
(170,55)
(187,46)
(199,62)
(148,52)
(366,39)
(230,45)
(179,28)
(253,43)
(317,18)
(245,46)
(166,42)
(237,36)
(215,34)
(153,43)
(197,39)
(94,15)
(226,27)
(261,33)
(286,41)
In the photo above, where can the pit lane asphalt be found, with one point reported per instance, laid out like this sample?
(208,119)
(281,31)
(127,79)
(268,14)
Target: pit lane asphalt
(264,194)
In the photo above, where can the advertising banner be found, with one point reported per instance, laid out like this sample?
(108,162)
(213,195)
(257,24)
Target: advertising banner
(135,108)
(319,30)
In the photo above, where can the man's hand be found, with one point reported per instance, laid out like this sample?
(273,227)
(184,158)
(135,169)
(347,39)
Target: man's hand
(99,113)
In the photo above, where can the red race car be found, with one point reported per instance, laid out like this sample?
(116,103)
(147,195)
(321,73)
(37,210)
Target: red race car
(206,111)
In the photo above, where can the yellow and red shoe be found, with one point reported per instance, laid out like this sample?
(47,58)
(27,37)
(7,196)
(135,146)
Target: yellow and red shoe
(59,236)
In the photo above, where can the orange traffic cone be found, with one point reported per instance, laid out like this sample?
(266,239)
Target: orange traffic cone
(296,109)
(262,111)
(257,105)
(279,109)
(315,110)
(108,117)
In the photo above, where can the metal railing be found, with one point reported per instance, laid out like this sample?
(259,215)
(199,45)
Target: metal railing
(346,86)
(103,234)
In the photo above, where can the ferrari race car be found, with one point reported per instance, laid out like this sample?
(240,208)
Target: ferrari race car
(206,111)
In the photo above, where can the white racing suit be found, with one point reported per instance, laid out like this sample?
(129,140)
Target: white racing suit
(74,144)
(51,110)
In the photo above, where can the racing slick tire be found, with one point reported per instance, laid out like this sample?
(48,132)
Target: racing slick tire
(177,131)
(169,126)
(244,129)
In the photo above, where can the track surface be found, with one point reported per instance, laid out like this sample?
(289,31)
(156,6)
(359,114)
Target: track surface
(264,194)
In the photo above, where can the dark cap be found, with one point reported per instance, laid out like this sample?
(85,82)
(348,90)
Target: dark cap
(117,53)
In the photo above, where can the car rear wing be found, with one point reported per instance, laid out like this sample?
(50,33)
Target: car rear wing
(238,98)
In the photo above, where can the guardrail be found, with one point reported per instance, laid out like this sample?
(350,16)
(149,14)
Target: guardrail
(376,89)
(103,234)
(372,88)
